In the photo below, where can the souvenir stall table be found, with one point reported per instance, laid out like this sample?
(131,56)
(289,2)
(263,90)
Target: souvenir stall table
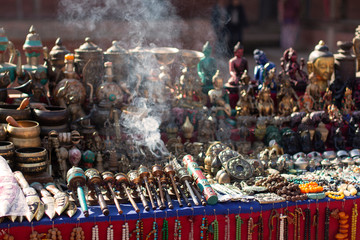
(225,214)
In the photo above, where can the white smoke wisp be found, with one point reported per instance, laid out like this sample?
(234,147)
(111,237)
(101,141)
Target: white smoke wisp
(142,123)
(134,23)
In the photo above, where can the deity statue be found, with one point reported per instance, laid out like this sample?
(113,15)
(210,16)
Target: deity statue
(306,103)
(270,79)
(326,99)
(206,131)
(207,68)
(237,65)
(245,105)
(293,69)
(265,104)
(260,71)
(321,62)
(286,98)
(219,97)
(313,90)
(348,105)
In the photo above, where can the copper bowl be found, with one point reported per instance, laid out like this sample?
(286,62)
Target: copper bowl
(52,116)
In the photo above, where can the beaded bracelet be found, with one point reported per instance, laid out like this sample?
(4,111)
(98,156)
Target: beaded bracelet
(335,195)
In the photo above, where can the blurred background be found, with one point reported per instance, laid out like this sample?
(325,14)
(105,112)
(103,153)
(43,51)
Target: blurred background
(188,22)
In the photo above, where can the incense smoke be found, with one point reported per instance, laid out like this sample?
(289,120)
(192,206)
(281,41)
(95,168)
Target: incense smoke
(148,24)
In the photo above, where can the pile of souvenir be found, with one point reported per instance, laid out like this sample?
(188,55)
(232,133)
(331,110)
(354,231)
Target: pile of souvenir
(158,125)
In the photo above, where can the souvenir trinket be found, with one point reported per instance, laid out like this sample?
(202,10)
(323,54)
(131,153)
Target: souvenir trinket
(109,181)
(94,181)
(77,234)
(36,207)
(207,68)
(122,182)
(76,181)
(170,172)
(46,198)
(135,182)
(201,182)
(184,177)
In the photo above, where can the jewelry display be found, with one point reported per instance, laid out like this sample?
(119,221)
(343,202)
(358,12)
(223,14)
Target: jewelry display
(282,226)
(327,223)
(260,225)
(95,232)
(177,230)
(204,229)
(307,228)
(165,230)
(77,234)
(316,223)
(298,214)
(110,232)
(139,230)
(264,198)
(215,227)
(239,222)
(354,217)
(125,231)
(335,195)
(153,232)
(273,214)
(227,227)
(251,228)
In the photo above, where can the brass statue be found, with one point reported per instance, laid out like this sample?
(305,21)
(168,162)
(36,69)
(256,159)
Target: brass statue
(265,104)
(321,63)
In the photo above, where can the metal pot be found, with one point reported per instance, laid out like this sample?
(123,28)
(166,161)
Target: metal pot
(10,110)
(7,151)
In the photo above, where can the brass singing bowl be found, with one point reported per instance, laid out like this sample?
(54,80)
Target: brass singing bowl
(28,129)
(191,58)
(31,160)
(165,55)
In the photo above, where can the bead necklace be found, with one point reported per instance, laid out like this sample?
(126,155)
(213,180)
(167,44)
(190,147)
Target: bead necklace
(298,212)
(273,214)
(227,226)
(307,229)
(327,221)
(177,230)
(354,221)
(110,232)
(260,227)
(335,195)
(125,231)
(239,221)
(316,223)
(139,229)
(282,226)
(215,224)
(154,232)
(191,233)
(204,229)
(165,230)
(95,232)
(250,228)
(77,234)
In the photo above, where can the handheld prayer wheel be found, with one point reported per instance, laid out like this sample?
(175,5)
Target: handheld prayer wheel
(200,179)
(144,174)
(170,172)
(157,173)
(109,182)
(135,180)
(184,177)
(153,190)
(163,181)
(76,180)
(94,181)
(122,181)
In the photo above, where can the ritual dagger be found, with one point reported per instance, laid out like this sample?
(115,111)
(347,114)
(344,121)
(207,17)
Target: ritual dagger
(61,198)
(46,198)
